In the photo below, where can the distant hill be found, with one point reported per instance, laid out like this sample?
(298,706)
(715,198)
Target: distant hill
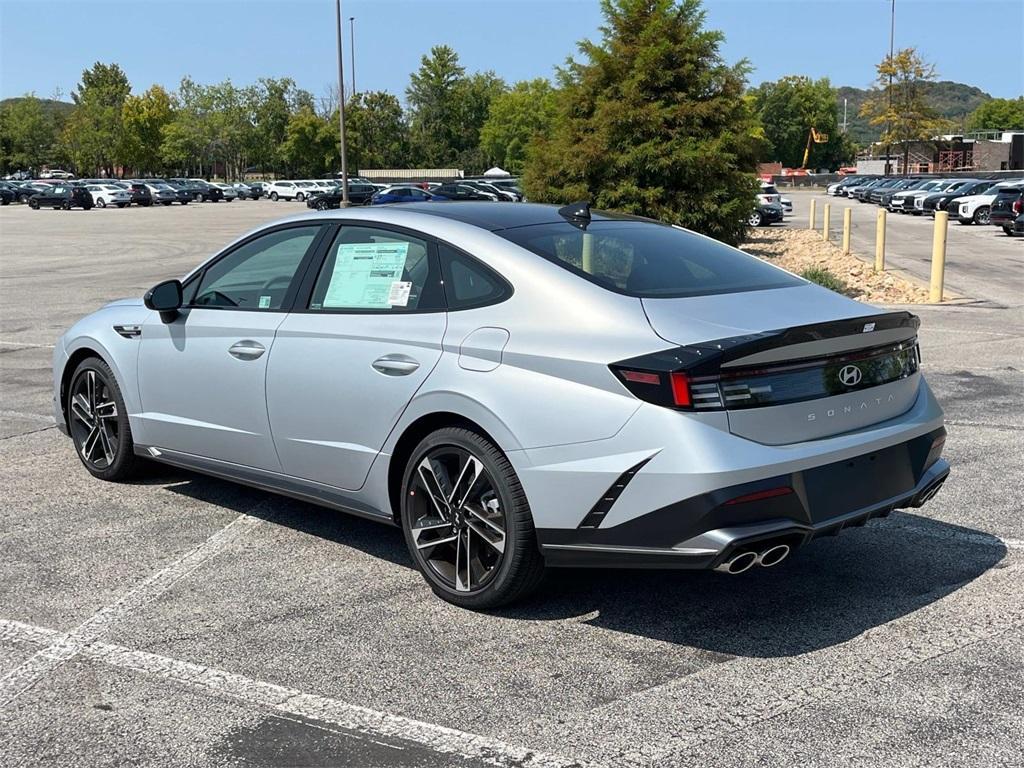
(59,108)
(953,101)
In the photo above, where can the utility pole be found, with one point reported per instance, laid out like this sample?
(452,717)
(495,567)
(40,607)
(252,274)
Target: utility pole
(888,127)
(352,50)
(341,111)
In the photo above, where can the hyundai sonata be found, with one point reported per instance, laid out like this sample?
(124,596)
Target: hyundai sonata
(516,387)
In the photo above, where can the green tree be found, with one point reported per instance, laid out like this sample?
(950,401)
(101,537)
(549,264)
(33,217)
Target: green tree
(377,135)
(145,118)
(653,122)
(997,114)
(788,109)
(899,101)
(93,133)
(310,148)
(435,102)
(28,133)
(516,116)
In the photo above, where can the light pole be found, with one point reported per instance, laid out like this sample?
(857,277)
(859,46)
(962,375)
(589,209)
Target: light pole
(352,50)
(341,111)
(892,35)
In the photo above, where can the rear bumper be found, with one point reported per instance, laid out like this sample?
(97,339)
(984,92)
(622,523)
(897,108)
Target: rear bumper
(705,530)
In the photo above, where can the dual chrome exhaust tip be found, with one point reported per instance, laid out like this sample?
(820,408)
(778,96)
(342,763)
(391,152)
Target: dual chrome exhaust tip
(748,558)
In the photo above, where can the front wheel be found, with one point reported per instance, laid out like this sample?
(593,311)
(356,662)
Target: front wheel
(98,422)
(467,522)
(300,197)
(981,216)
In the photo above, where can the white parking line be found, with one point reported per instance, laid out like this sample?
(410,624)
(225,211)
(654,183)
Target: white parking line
(292,702)
(25,344)
(67,646)
(23,415)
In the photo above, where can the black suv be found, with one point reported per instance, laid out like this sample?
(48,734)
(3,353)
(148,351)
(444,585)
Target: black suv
(358,194)
(940,201)
(63,196)
(1006,208)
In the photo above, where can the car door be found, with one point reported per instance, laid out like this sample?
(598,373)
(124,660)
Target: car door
(346,364)
(202,377)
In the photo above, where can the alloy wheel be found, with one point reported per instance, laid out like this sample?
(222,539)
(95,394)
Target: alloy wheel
(754,220)
(94,424)
(456,519)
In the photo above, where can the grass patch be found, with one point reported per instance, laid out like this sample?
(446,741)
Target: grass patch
(825,279)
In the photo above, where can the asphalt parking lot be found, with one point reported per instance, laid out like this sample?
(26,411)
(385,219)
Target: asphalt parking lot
(182,620)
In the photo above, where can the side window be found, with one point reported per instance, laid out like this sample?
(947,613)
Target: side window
(256,275)
(377,270)
(467,282)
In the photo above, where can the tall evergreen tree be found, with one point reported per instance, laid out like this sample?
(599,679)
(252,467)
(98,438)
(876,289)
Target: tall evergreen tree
(653,122)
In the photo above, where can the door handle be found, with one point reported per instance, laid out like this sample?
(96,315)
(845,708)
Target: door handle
(247,350)
(395,365)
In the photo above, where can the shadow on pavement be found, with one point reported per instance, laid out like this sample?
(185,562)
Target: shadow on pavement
(827,593)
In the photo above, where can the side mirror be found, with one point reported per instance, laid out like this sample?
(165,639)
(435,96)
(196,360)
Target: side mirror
(165,298)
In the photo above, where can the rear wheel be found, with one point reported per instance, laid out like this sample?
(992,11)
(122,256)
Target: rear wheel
(98,422)
(300,197)
(66,205)
(467,522)
(33,204)
(981,216)
(755,219)
(273,196)
(101,202)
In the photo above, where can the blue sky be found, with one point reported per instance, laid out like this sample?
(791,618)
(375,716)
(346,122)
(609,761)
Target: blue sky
(45,44)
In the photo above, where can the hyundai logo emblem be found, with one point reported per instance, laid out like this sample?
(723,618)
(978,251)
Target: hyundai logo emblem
(850,375)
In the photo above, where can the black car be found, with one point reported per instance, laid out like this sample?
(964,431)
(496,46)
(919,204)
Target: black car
(458,192)
(883,196)
(1006,208)
(6,195)
(182,191)
(64,196)
(358,194)
(941,201)
(862,192)
(256,190)
(765,215)
(140,193)
(208,192)
(1018,226)
(23,191)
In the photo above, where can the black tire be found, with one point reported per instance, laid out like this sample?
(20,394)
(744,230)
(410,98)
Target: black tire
(520,567)
(300,197)
(755,219)
(121,205)
(33,204)
(101,203)
(120,463)
(66,205)
(1008,231)
(184,202)
(274,196)
(981,216)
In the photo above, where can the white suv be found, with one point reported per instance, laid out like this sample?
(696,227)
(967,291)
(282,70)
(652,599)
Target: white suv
(281,190)
(974,209)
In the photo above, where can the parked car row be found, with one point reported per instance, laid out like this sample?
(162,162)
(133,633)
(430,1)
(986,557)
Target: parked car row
(56,192)
(970,201)
(364,192)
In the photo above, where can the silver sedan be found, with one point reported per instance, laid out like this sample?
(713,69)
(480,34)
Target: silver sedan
(518,388)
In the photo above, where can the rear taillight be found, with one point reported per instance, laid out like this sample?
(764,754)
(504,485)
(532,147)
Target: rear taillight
(771,493)
(1017,206)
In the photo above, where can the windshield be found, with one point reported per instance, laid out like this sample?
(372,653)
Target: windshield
(648,260)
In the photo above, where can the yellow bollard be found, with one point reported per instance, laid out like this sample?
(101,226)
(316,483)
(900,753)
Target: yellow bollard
(847,225)
(825,220)
(880,241)
(939,256)
(810,222)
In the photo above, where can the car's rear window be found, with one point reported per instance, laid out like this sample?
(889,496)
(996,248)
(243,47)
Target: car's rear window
(646,259)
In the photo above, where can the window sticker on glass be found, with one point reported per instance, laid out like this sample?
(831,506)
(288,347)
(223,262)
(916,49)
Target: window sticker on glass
(364,275)
(264,302)
(399,294)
